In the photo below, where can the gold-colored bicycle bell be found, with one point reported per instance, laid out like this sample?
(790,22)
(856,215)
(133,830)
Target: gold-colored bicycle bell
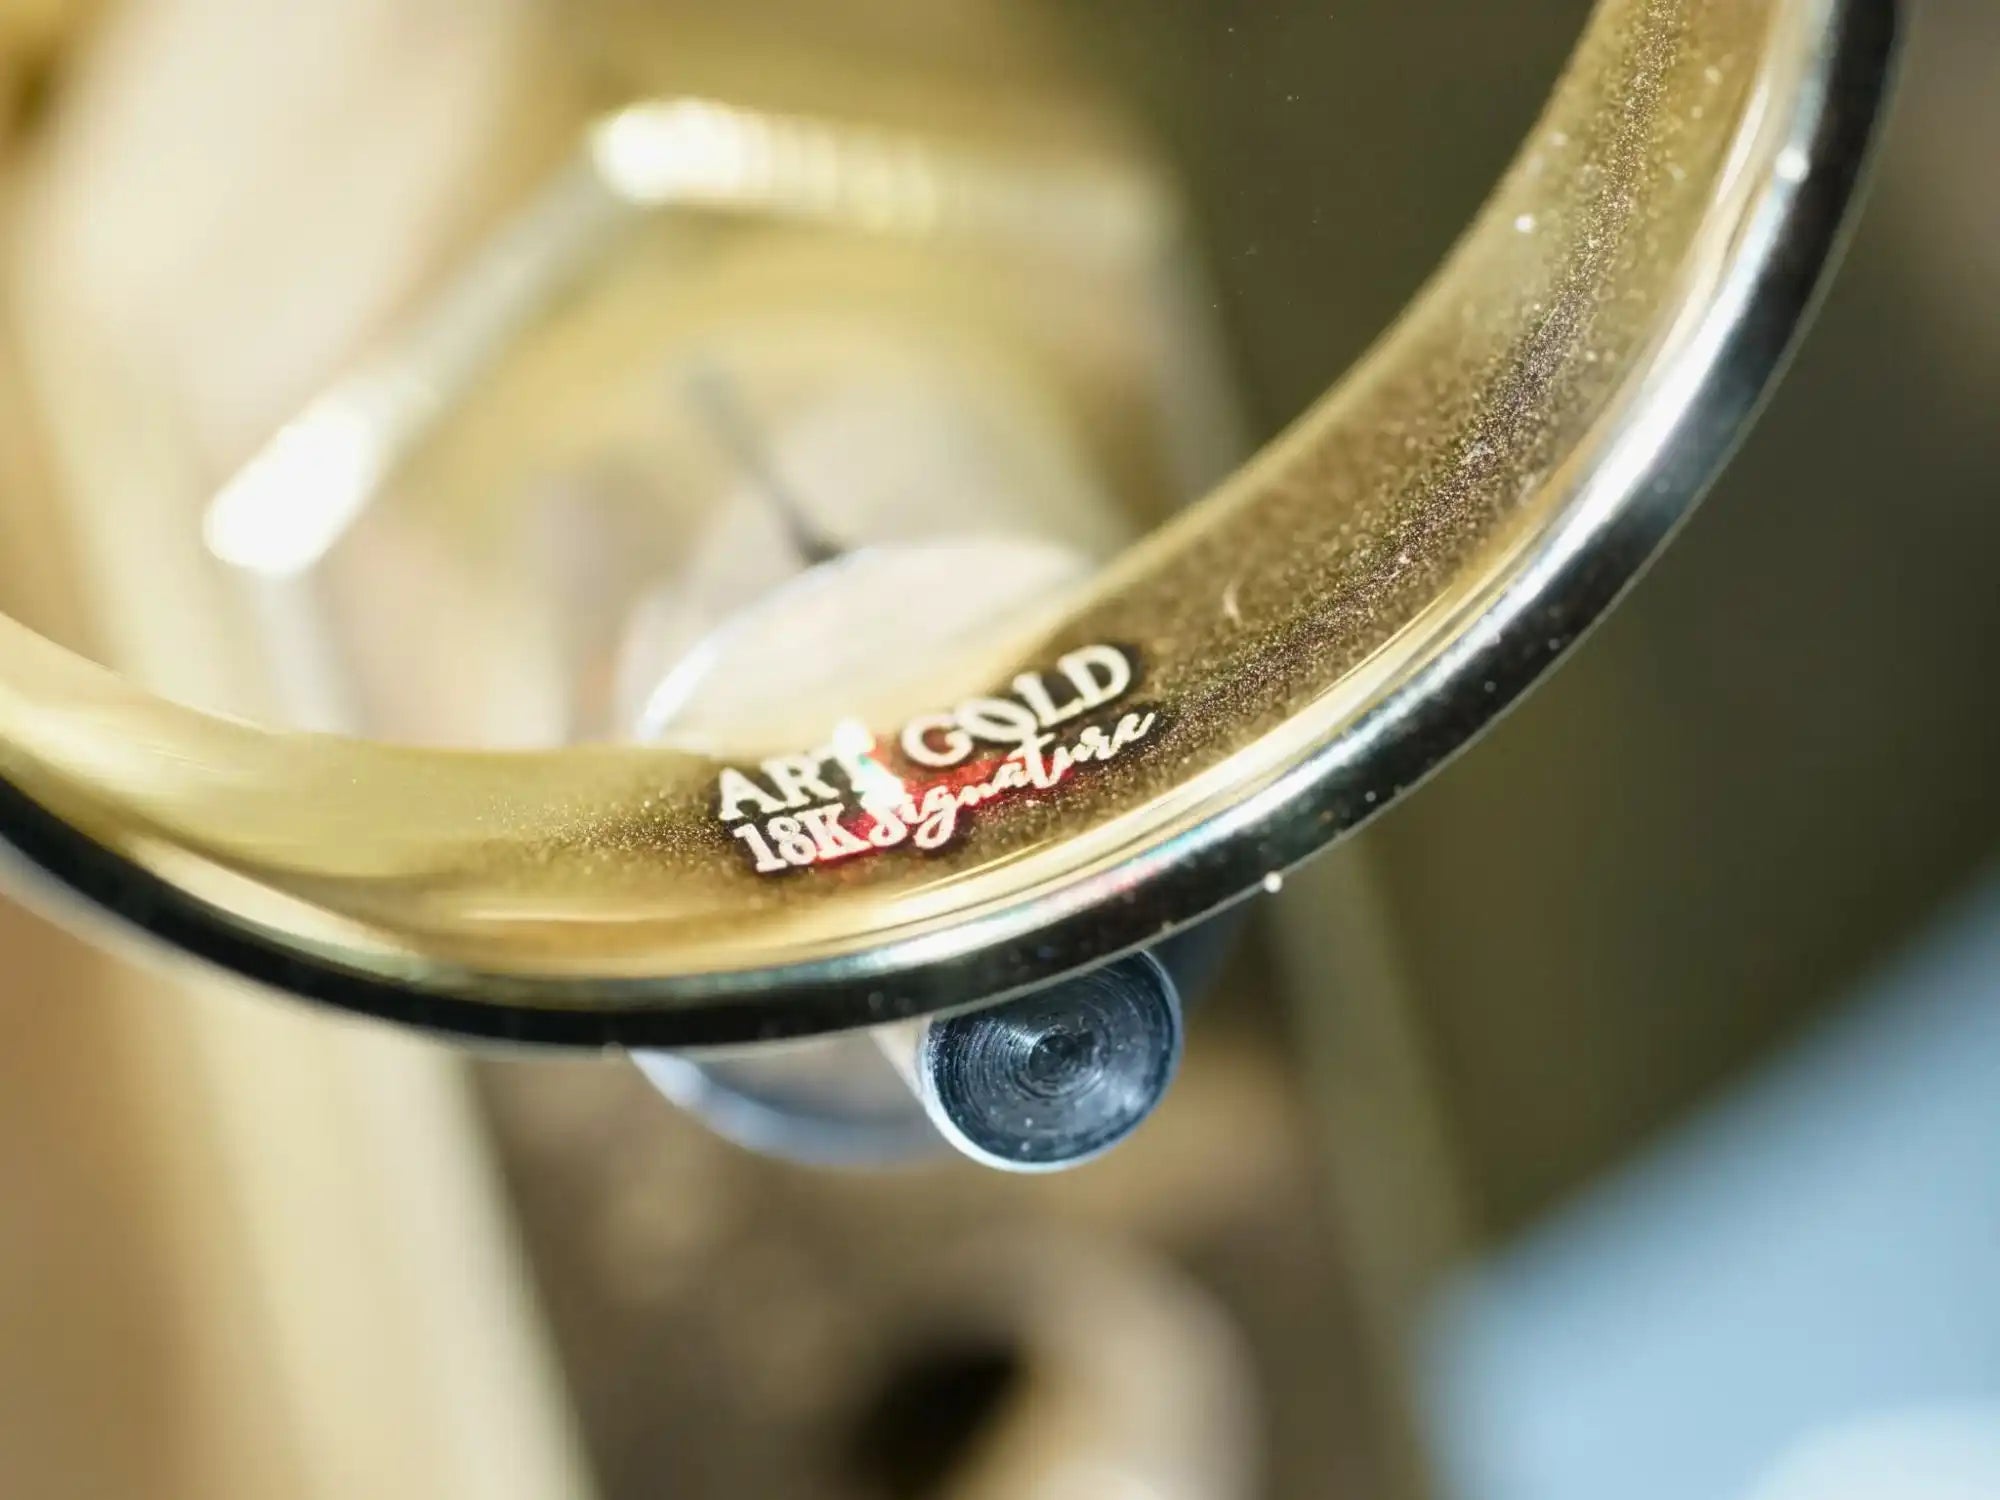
(1019,767)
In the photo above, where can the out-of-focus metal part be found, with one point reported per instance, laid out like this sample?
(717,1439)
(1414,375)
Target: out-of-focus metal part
(789,660)
(1346,612)
(292,502)
(826,1101)
(1050,1079)
(1044,1081)
(825,647)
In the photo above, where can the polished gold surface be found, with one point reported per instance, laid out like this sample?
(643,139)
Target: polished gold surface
(1324,629)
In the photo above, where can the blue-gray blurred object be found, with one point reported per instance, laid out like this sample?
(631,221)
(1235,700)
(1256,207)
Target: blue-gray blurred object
(1811,1267)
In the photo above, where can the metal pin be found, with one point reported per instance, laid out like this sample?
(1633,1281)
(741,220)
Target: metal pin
(721,405)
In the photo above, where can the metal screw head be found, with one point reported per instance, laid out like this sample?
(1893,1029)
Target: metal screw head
(1053,1078)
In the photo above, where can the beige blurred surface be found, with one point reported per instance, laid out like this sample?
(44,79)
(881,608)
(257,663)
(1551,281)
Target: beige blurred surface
(260,1252)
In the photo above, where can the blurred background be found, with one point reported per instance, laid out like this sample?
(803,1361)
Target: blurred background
(1617,1116)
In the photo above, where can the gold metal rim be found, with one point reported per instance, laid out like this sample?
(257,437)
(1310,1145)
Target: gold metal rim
(1312,639)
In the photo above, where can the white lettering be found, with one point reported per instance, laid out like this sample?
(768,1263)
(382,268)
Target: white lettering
(888,828)
(998,721)
(789,838)
(803,820)
(1035,693)
(832,840)
(798,780)
(916,741)
(937,818)
(767,862)
(1099,674)
(736,789)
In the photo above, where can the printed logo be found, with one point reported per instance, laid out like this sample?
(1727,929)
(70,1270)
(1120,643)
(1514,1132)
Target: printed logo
(844,800)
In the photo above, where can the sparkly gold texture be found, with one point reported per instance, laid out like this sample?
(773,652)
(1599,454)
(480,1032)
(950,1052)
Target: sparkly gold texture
(1525,409)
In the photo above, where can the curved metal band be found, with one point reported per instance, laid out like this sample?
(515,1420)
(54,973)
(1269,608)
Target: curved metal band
(1316,637)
